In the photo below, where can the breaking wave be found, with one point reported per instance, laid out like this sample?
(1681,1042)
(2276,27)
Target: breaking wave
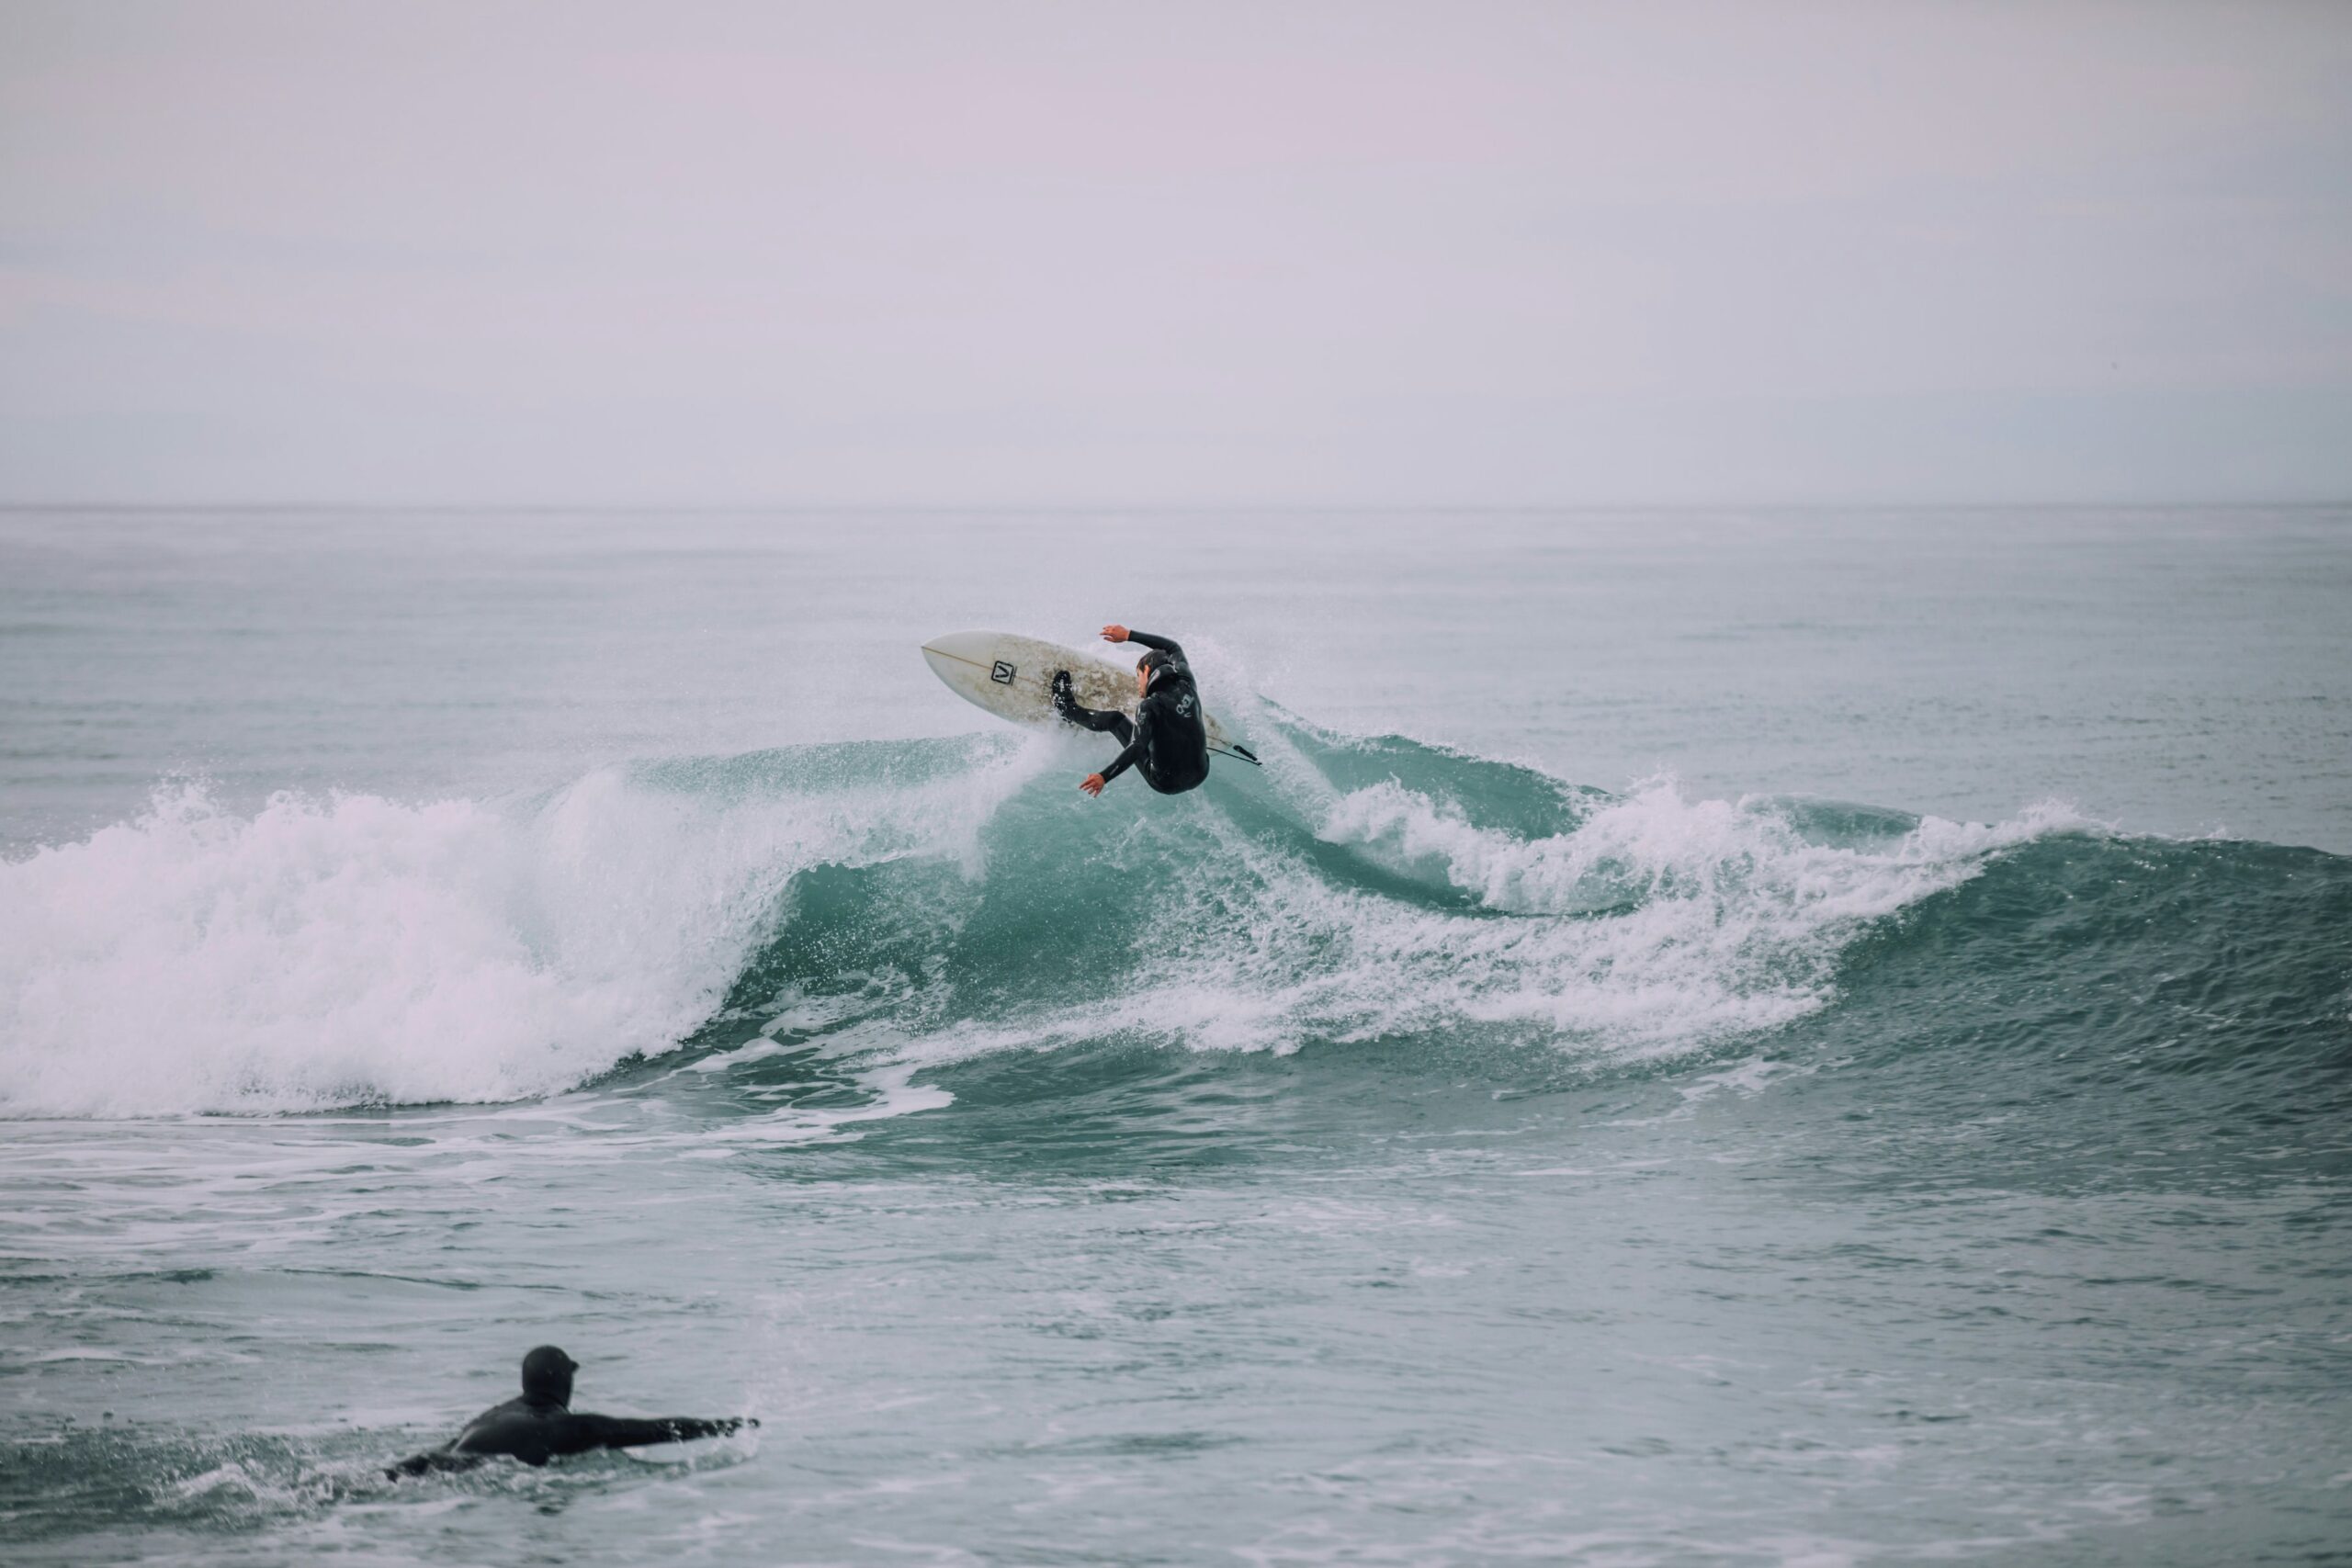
(931,900)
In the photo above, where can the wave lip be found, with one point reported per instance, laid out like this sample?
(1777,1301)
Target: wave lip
(1654,924)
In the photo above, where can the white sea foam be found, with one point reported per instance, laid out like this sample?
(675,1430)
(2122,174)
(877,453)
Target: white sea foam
(1664,922)
(355,949)
(1658,924)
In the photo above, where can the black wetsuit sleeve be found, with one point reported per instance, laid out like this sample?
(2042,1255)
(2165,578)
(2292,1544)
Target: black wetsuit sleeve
(1135,748)
(629,1432)
(1165,644)
(436,1460)
(1124,761)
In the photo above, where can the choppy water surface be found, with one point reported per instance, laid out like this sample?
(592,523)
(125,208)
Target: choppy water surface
(1712,1039)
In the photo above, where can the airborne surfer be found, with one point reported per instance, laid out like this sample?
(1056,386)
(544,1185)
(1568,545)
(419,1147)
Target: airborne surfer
(541,1424)
(1167,742)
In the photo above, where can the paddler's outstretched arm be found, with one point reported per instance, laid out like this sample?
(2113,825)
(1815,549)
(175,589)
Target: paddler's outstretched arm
(630,1432)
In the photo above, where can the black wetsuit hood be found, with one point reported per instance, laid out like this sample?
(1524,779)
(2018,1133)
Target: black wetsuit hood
(546,1376)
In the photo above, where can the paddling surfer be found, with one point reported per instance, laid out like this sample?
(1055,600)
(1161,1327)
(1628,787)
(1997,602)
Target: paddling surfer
(1167,742)
(541,1424)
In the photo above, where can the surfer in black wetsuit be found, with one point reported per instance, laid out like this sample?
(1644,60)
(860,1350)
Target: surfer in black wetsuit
(540,1425)
(1167,742)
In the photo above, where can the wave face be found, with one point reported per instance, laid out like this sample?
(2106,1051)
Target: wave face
(940,900)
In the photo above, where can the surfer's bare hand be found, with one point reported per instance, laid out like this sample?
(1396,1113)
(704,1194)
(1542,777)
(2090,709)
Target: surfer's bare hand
(1092,784)
(1115,633)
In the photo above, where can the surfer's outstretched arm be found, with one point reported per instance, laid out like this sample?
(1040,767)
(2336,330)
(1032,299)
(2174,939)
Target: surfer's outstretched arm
(632,1432)
(432,1462)
(1110,722)
(1118,633)
(1165,644)
(1124,761)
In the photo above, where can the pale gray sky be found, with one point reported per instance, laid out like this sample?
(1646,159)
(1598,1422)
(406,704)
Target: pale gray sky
(1181,254)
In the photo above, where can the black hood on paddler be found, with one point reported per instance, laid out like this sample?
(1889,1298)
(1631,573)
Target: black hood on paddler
(546,1376)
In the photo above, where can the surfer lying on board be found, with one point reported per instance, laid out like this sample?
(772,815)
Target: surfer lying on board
(541,1426)
(1167,742)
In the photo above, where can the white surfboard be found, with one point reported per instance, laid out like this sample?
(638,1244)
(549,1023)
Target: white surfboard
(1013,677)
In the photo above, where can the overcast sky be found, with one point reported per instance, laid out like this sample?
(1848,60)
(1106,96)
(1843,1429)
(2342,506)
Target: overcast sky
(1179,253)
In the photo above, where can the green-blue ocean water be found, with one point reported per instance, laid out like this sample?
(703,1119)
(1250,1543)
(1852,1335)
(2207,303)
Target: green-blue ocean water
(1733,1038)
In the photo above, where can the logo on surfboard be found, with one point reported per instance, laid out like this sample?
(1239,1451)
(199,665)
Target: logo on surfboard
(1001,675)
